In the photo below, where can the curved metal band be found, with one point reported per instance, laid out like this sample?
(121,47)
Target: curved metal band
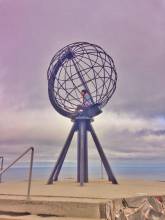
(52,97)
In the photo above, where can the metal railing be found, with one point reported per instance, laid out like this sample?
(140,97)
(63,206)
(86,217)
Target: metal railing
(1,166)
(30,168)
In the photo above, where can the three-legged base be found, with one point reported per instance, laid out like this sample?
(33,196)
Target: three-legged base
(82,125)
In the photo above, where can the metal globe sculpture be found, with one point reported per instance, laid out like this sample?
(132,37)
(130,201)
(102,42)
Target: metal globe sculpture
(80,66)
(81,80)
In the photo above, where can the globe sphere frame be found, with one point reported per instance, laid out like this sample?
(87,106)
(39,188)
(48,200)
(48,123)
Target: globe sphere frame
(76,67)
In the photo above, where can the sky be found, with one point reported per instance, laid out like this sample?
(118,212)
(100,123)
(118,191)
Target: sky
(132,125)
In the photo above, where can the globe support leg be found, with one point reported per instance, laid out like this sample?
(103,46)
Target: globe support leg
(82,163)
(58,165)
(82,126)
(107,167)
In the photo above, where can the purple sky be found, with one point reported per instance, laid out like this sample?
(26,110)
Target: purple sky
(132,32)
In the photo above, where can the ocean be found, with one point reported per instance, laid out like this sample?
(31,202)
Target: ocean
(146,171)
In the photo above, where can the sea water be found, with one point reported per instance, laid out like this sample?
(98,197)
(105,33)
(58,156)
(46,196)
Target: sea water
(146,171)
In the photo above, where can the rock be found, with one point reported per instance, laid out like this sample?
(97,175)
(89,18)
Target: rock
(142,208)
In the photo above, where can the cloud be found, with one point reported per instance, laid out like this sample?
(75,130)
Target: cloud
(32,126)
(125,30)
(119,134)
(132,124)
(151,132)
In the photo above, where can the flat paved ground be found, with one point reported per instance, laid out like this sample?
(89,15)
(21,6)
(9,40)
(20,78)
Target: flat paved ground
(33,217)
(69,190)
